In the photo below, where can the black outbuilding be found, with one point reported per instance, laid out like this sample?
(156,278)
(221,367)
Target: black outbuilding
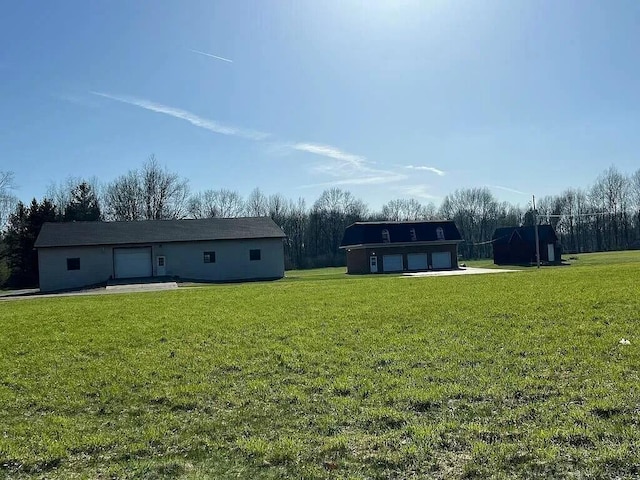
(517,245)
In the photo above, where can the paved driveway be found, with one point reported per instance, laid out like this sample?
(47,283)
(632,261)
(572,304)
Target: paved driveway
(16,293)
(136,287)
(461,271)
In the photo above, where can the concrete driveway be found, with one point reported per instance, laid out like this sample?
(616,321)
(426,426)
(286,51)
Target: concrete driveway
(141,287)
(18,293)
(110,289)
(460,271)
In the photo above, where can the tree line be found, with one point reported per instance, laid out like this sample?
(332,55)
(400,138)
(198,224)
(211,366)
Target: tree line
(604,216)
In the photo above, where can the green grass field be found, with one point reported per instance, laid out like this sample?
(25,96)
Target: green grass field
(323,375)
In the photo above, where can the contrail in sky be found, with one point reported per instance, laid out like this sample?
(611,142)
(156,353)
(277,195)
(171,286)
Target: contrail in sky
(346,168)
(507,189)
(437,171)
(329,151)
(192,118)
(210,55)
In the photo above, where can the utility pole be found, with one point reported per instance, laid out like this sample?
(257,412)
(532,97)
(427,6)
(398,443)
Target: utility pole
(535,223)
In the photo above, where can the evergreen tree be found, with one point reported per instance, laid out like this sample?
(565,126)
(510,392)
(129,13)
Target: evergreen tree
(22,231)
(83,206)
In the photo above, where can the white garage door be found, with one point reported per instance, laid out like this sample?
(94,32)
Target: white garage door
(392,263)
(132,262)
(441,260)
(417,261)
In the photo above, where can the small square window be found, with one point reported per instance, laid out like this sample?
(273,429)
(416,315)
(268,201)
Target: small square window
(209,257)
(254,254)
(73,264)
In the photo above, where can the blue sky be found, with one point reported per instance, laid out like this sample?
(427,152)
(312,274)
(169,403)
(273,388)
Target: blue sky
(387,99)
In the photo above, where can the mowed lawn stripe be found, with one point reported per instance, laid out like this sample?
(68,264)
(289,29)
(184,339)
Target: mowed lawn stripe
(367,377)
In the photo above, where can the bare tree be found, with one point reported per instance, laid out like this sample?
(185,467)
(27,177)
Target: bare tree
(332,212)
(400,210)
(609,198)
(165,194)
(509,215)
(616,193)
(277,208)
(295,227)
(634,188)
(8,200)
(257,204)
(216,203)
(634,191)
(230,203)
(123,198)
(430,211)
(59,193)
(152,193)
(549,208)
(567,224)
(475,211)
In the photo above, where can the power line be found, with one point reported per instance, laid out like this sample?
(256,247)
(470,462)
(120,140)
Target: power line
(562,215)
(488,241)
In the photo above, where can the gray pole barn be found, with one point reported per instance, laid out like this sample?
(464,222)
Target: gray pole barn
(79,254)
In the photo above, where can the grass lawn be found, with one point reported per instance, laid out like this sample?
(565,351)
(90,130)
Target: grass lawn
(331,376)
(317,273)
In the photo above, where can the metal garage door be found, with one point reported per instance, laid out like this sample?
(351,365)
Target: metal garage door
(441,260)
(392,263)
(417,261)
(132,262)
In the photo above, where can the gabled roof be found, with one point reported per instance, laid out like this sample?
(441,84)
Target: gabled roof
(368,233)
(503,236)
(71,234)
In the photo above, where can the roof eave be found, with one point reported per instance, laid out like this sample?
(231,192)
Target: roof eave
(105,244)
(401,244)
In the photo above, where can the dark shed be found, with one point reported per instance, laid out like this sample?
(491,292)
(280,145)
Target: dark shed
(517,245)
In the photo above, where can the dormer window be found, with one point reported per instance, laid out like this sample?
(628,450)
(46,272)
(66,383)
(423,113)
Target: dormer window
(385,236)
(412,233)
(440,233)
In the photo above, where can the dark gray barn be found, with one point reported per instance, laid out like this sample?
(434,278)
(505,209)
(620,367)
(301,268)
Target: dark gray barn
(517,245)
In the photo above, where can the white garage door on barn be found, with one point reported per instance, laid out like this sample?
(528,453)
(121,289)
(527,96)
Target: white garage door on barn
(417,261)
(441,260)
(132,262)
(392,263)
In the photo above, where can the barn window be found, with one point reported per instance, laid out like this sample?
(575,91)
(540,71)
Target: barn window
(386,238)
(440,233)
(254,254)
(209,257)
(73,264)
(412,232)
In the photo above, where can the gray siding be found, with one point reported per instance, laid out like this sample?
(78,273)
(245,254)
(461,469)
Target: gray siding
(96,266)
(183,259)
(186,260)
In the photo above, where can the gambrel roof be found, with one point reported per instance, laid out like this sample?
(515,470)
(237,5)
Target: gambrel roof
(372,233)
